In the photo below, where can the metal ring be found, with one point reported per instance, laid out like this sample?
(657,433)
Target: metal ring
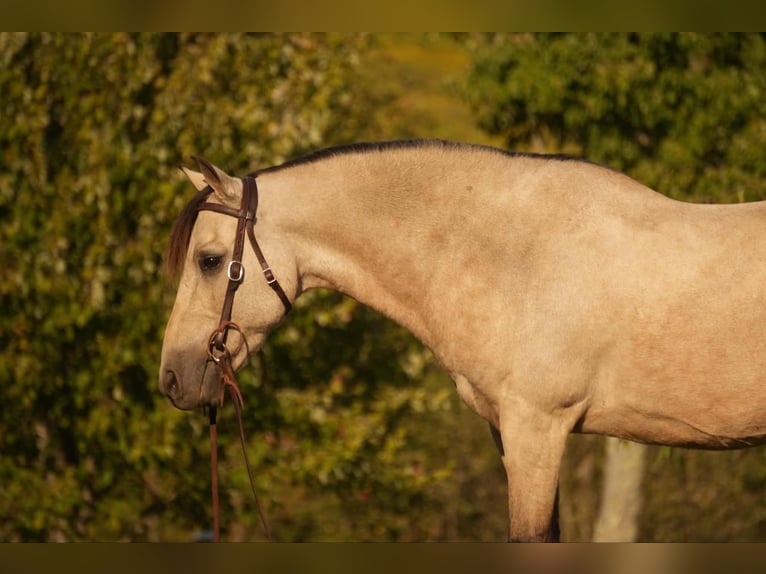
(216,350)
(239,277)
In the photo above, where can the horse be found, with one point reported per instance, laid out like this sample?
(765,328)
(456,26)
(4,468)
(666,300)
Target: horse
(560,296)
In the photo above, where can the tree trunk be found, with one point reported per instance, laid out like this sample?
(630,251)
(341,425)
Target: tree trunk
(621,500)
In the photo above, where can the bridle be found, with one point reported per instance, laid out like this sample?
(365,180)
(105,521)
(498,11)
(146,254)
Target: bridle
(246,216)
(217,350)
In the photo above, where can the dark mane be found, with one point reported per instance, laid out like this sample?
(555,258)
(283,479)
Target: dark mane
(383,146)
(180,234)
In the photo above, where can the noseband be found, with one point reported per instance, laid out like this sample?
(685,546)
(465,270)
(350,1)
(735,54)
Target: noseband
(217,350)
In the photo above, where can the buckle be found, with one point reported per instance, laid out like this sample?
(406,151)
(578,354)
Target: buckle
(241,274)
(270,279)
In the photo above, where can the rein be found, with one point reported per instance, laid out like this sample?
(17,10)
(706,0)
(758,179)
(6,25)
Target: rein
(217,350)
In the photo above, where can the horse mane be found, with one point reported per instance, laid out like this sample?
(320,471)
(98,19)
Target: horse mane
(392,145)
(180,234)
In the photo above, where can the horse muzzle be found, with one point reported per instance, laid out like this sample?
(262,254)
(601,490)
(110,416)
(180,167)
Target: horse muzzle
(185,395)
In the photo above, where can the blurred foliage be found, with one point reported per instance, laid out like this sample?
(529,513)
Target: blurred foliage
(684,114)
(353,431)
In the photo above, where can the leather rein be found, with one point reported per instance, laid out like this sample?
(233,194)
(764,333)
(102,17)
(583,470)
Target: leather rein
(217,350)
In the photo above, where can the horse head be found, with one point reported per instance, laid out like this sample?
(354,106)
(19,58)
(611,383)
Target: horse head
(225,302)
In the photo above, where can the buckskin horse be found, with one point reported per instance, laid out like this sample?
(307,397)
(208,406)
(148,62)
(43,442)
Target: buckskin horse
(560,296)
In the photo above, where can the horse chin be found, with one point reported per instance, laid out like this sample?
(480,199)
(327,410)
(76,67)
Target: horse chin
(211,391)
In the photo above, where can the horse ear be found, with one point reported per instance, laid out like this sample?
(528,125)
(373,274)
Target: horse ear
(197,179)
(224,186)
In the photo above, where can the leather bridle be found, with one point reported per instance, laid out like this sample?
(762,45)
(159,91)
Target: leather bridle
(217,350)
(246,216)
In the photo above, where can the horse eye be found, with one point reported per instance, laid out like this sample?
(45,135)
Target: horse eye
(208,263)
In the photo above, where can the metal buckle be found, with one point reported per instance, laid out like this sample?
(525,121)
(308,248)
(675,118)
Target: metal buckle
(269,275)
(239,277)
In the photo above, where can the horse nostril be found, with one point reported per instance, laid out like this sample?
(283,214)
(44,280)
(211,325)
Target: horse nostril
(171,384)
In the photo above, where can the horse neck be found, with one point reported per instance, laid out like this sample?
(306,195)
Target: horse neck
(373,229)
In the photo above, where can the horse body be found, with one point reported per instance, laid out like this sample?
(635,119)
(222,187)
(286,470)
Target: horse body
(560,296)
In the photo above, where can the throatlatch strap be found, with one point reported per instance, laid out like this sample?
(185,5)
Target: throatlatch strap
(250,184)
